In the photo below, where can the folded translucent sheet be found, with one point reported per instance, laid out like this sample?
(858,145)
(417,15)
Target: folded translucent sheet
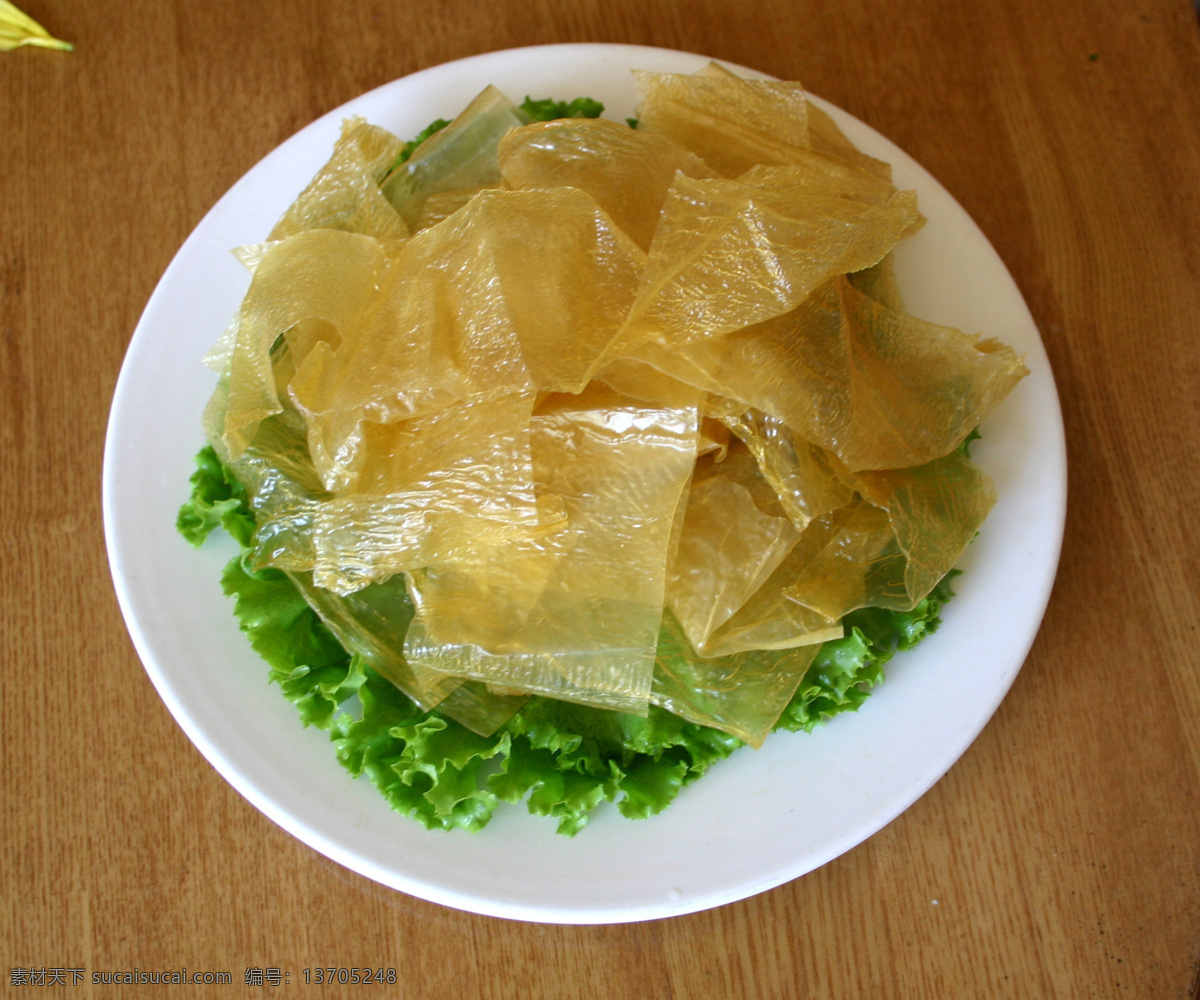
(621,416)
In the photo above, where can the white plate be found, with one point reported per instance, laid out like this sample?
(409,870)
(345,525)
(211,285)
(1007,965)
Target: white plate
(758,819)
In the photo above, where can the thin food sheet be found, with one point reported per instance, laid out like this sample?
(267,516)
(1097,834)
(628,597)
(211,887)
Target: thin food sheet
(622,417)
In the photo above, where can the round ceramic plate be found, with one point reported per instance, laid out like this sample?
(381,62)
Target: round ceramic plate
(758,819)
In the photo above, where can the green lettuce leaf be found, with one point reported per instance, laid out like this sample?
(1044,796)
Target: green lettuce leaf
(561,759)
(846,669)
(217,501)
(410,147)
(314,672)
(550,109)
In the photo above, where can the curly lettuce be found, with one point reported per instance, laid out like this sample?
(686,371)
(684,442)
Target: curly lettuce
(561,760)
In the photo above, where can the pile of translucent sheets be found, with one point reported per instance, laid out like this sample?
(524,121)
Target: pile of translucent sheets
(620,416)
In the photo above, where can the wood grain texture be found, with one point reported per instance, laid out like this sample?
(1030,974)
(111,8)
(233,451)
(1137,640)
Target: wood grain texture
(1059,858)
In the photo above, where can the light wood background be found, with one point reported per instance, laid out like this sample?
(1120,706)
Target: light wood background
(1064,848)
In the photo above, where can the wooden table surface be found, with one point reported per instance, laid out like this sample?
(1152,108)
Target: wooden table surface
(1063,849)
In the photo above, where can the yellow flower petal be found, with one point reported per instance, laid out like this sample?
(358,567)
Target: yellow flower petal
(18,28)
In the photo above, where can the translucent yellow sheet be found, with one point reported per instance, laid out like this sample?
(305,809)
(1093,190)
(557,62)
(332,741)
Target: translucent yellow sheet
(345,193)
(460,157)
(738,551)
(824,137)
(806,480)
(573,613)
(934,511)
(627,171)
(632,417)
(741,693)
(281,485)
(371,624)
(728,548)
(878,388)
(321,275)
(730,123)
(517,291)
(729,254)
